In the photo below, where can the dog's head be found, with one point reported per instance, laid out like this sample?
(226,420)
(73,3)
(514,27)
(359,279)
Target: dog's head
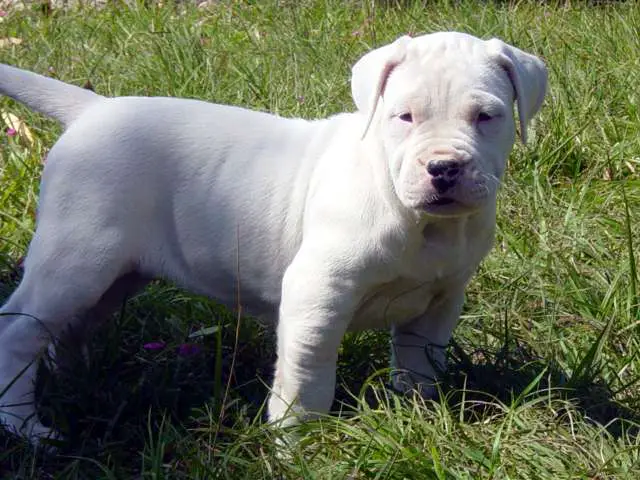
(442,106)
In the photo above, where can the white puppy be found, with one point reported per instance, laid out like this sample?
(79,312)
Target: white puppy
(364,220)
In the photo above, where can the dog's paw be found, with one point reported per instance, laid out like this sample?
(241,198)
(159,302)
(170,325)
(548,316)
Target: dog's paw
(43,438)
(406,383)
(285,444)
(31,430)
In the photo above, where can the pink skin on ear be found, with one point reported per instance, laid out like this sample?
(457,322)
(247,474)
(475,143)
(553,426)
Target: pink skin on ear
(392,62)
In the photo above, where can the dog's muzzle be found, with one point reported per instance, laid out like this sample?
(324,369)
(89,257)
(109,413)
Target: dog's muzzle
(454,187)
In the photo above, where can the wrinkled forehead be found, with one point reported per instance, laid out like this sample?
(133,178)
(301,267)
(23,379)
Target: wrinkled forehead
(448,44)
(448,65)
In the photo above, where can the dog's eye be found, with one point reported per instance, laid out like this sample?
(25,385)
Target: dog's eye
(484,117)
(406,117)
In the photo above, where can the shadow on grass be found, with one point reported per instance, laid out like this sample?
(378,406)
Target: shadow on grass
(482,374)
(478,378)
(138,371)
(108,400)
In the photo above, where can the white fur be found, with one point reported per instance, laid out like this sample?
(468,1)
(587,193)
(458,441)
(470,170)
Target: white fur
(327,229)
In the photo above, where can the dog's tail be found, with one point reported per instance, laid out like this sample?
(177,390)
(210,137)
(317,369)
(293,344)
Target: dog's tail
(48,96)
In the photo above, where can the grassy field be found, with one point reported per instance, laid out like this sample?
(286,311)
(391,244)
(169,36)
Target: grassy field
(544,370)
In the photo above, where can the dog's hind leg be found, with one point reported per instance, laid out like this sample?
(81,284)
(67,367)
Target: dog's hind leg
(59,285)
(72,344)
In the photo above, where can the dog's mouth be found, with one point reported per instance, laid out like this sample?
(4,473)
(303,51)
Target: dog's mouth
(438,201)
(444,206)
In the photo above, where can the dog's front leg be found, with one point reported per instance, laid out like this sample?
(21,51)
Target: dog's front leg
(316,308)
(418,347)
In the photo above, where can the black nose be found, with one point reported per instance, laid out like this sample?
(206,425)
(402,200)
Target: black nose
(444,168)
(444,173)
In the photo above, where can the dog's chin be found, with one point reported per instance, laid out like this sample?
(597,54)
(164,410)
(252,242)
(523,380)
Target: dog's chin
(445,206)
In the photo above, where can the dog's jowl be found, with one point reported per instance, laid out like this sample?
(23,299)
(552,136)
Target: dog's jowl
(371,219)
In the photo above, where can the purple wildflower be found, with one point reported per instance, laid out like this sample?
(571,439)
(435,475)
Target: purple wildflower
(11,132)
(154,346)
(188,349)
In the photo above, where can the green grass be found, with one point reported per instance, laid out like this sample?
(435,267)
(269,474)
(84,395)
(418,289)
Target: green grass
(543,376)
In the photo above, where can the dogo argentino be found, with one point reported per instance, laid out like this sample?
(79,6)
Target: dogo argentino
(370,219)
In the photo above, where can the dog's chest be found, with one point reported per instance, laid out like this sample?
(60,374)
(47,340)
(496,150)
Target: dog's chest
(407,297)
(443,258)
(394,302)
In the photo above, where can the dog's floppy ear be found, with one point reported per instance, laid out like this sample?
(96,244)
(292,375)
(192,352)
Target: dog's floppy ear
(528,75)
(370,74)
